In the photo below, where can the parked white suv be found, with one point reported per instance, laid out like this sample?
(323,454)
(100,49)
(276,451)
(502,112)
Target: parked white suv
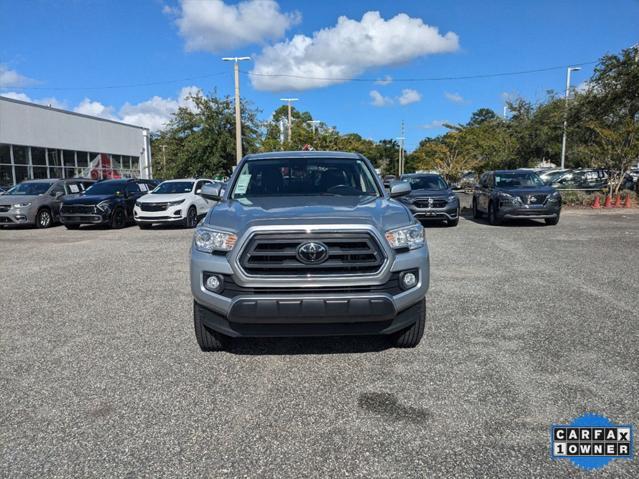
(173,201)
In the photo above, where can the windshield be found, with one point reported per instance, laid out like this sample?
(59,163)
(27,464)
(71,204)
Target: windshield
(305,177)
(517,179)
(171,187)
(429,182)
(106,188)
(30,188)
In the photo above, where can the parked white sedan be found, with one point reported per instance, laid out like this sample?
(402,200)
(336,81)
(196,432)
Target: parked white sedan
(173,201)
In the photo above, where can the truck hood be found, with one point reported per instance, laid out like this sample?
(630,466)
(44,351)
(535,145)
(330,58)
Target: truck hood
(239,215)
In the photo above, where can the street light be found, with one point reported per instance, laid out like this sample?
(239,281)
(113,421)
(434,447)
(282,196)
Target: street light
(313,123)
(289,101)
(400,166)
(563,140)
(238,115)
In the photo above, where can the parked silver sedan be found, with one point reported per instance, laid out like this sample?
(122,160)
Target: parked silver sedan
(37,202)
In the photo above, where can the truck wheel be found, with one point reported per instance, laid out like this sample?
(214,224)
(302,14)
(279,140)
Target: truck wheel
(117,219)
(207,339)
(43,218)
(411,336)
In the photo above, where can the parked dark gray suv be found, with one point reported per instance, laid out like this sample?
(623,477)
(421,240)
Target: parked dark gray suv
(515,194)
(37,202)
(431,198)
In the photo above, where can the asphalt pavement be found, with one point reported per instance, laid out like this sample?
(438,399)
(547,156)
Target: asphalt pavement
(527,325)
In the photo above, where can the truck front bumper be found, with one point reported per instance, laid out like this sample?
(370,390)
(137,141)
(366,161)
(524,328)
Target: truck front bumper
(369,305)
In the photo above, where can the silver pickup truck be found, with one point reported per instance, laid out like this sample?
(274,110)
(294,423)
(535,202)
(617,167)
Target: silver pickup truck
(308,244)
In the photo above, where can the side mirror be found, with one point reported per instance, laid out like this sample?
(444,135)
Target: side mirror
(59,194)
(212,192)
(399,188)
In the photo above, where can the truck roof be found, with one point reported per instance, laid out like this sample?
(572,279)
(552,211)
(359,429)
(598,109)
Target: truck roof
(304,154)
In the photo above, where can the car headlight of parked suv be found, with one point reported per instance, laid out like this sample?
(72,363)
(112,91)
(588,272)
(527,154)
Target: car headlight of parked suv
(452,197)
(410,237)
(22,205)
(208,240)
(509,200)
(555,197)
(177,202)
(104,206)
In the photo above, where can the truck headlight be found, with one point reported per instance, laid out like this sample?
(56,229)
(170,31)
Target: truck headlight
(104,205)
(208,240)
(22,205)
(410,237)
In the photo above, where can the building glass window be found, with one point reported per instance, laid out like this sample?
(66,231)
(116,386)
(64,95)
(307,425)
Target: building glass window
(69,172)
(38,157)
(82,157)
(6,175)
(39,172)
(22,173)
(5,154)
(68,158)
(135,163)
(20,155)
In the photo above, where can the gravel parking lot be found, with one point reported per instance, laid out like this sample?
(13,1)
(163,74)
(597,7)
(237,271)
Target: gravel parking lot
(100,374)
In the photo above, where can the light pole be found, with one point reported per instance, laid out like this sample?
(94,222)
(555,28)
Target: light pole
(400,165)
(289,101)
(238,115)
(313,123)
(563,140)
(164,158)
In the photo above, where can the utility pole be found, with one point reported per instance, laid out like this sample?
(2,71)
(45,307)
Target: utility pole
(400,166)
(289,101)
(563,140)
(164,159)
(238,114)
(313,123)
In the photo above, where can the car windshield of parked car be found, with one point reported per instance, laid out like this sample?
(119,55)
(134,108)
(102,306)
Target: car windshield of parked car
(30,188)
(173,187)
(517,180)
(427,182)
(106,188)
(305,177)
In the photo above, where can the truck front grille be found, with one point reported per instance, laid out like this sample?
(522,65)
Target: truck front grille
(276,254)
(539,199)
(78,209)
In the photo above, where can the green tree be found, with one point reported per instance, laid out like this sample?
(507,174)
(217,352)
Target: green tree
(200,140)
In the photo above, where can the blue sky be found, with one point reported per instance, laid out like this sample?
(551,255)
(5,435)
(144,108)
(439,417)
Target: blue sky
(64,51)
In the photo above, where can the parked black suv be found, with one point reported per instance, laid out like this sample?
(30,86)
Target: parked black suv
(108,202)
(431,198)
(515,194)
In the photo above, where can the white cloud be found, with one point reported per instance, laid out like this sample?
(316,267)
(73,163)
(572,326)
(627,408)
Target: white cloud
(333,55)
(214,26)
(156,112)
(12,79)
(454,97)
(434,124)
(153,113)
(409,96)
(387,80)
(95,108)
(48,101)
(377,99)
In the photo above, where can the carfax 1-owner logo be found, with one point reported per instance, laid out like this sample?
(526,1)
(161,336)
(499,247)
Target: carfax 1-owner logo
(591,441)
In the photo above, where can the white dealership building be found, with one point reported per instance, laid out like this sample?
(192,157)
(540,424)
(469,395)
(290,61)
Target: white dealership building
(38,141)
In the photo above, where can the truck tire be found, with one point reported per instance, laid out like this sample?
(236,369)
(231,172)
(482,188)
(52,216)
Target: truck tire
(207,339)
(411,336)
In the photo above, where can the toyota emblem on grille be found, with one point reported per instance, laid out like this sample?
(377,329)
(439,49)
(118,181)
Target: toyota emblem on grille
(312,252)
